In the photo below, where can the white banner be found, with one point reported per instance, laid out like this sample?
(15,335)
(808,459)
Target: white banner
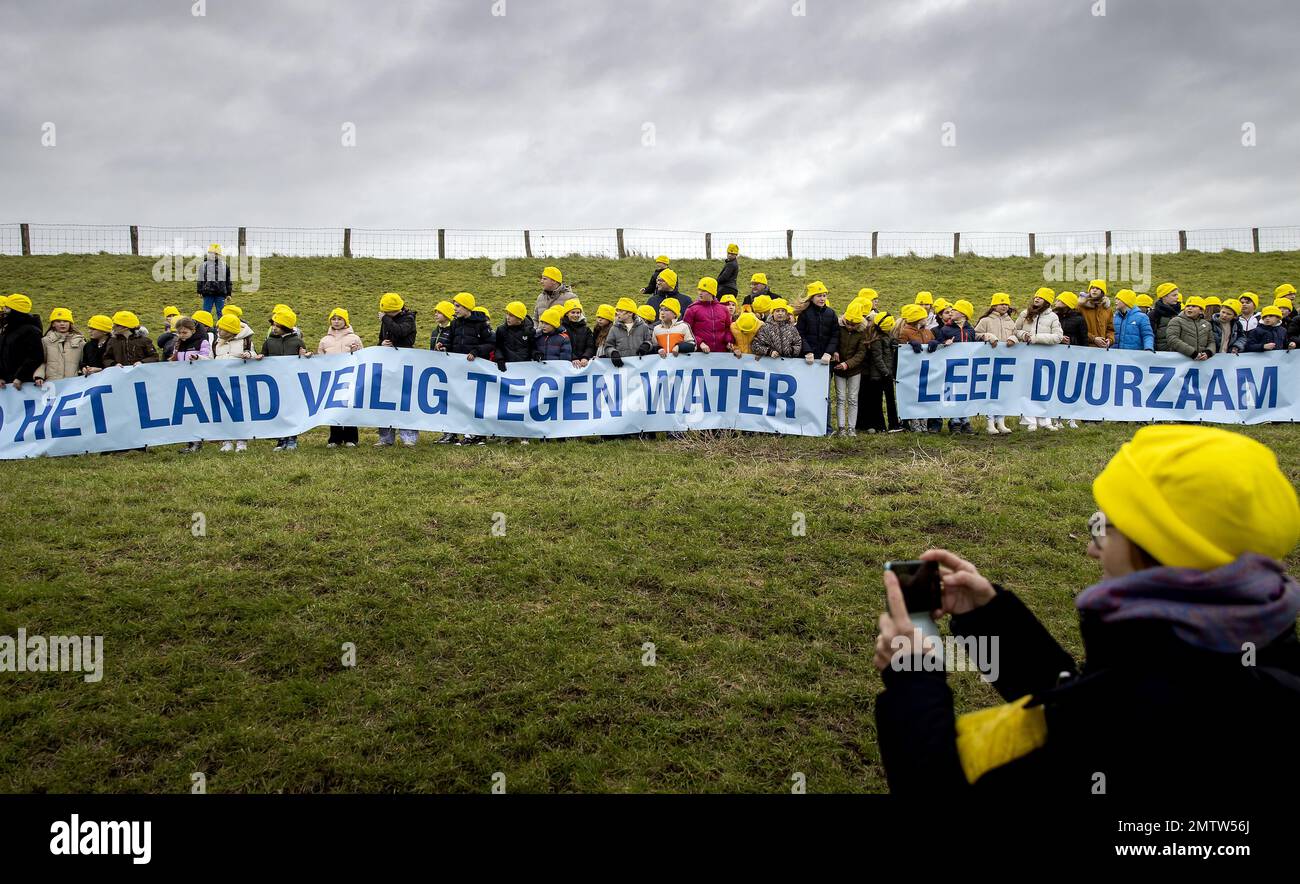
(131,407)
(1087,383)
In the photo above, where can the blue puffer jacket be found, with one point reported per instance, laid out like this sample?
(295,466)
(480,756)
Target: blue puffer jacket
(1133,331)
(1266,334)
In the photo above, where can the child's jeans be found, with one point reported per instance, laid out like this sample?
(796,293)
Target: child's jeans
(409,437)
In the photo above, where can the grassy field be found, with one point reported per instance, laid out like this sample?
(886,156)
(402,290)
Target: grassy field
(521,653)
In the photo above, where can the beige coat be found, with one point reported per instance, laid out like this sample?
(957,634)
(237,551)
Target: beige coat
(996,329)
(62,355)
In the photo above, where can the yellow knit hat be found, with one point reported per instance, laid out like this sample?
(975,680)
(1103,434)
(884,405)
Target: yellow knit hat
(61,313)
(1162,491)
(762,304)
(1165,288)
(553,273)
(669,276)
(887,323)
(760,278)
(626,304)
(170,311)
(126,319)
(606,312)
(733,249)
(817,287)
(1069,299)
(1099,284)
(572,304)
(517,309)
(966,308)
(229,323)
(1271,310)
(708,284)
(1233,304)
(646,312)
(1127,297)
(662,259)
(913,313)
(446,308)
(1000,298)
(868,295)
(233,308)
(466,300)
(553,316)
(853,315)
(1046,294)
(777,304)
(19,303)
(728,299)
(924,298)
(391,302)
(1283,291)
(337,311)
(1145,300)
(285,317)
(100,322)
(671,304)
(1252,297)
(204,317)
(747,323)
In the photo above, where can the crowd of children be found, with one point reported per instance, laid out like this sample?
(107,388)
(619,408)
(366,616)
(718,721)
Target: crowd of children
(859,347)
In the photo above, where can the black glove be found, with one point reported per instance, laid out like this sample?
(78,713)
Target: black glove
(932,346)
(537,356)
(645,349)
(916,347)
(686,347)
(616,358)
(501,364)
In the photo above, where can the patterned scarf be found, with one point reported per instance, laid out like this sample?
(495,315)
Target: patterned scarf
(1249,600)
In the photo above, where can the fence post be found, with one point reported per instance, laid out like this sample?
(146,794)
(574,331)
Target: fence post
(956,244)
(789,244)
(528,245)
(135,240)
(347,242)
(1254,236)
(875,237)
(442,243)
(1108,242)
(243,241)
(708,246)
(622,252)
(1033,249)
(1182,240)
(25,234)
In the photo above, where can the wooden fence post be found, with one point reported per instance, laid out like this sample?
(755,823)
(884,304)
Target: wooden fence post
(25,234)
(243,242)
(1182,240)
(347,242)
(442,243)
(708,246)
(1033,249)
(789,244)
(956,244)
(528,245)
(1108,241)
(875,237)
(1254,236)
(622,252)
(135,240)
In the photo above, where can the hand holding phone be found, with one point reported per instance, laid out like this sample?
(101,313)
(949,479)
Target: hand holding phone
(922,592)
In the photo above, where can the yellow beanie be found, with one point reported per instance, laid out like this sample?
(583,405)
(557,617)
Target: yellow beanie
(669,276)
(553,316)
(19,303)
(913,313)
(1145,300)
(1000,298)
(777,304)
(1271,310)
(671,304)
(966,308)
(391,302)
(816,287)
(61,313)
(760,278)
(708,284)
(1212,301)
(1046,294)
(466,300)
(646,312)
(868,294)
(126,319)
(626,304)
(204,317)
(229,323)
(924,298)
(762,304)
(733,249)
(1162,491)
(553,273)
(446,308)
(1069,299)
(941,305)
(747,323)
(1099,284)
(1165,288)
(485,311)
(1127,297)
(517,309)
(1283,291)
(1252,297)
(728,299)
(215,248)
(100,322)
(337,311)
(606,312)
(1195,301)
(170,311)
(285,317)
(662,259)
(1233,304)
(572,304)
(233,308)
(886,323)
(853,315)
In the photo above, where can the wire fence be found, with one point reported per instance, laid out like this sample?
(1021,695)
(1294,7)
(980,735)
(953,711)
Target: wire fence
(446,243)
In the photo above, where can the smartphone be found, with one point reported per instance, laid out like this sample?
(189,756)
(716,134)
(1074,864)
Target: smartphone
(922,591)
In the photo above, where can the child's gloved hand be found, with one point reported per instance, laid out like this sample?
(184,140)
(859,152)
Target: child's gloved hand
(932,346)
(501,364)
(616,358)
(916,347)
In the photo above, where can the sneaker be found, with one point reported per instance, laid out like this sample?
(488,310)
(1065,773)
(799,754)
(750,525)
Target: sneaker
(409,443)
(382,444)
(893,430)
(1053,427)
(993,429)
(523,441)
(291,445)
(227,446)
(445,439)
(851,431)
(241,446)
(279,446)
(1074,425)
(1026,422)
(332,445)
(1031,428)
(873,432)
(349,445)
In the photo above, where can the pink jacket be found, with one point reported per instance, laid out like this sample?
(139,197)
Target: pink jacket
(711,324)
(339,341)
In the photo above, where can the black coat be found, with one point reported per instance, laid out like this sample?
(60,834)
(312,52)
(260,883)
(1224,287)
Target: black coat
(217,283)
(727,277)
(820,329)
(1156,715)
(92,355)
(398,328)
(470,334)
(1074,326)
(650,287)
(21,350)
(582,338)
(658,297)
(515,343)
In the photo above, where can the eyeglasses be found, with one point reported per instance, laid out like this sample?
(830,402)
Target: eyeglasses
(1097,526)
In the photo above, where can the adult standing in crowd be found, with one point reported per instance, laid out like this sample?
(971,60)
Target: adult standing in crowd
(21,350)
(661,263)
(729,273)
(666,287)
(1189,591)
(214,284)
(555,291)
(758,287)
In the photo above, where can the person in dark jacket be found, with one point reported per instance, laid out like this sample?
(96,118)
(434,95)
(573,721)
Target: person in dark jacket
(666,287)
(819,328)
(1190,641)
(469,334)
(397,329)
(878,379)
(1167,306)
(21,350)
(166,342)
(552,340)
(727,275)
(1270,334)
(757,288)
(1229,336)
(515,337)
(661,263)
(214,283)
(1072,321)
(283,339)
(99,329)
(582,339)
(129,344)
(956,329)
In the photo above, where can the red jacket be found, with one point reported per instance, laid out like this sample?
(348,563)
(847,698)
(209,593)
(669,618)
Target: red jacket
(711,324)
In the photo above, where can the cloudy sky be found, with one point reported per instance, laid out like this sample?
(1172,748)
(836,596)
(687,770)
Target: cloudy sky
(652,113)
